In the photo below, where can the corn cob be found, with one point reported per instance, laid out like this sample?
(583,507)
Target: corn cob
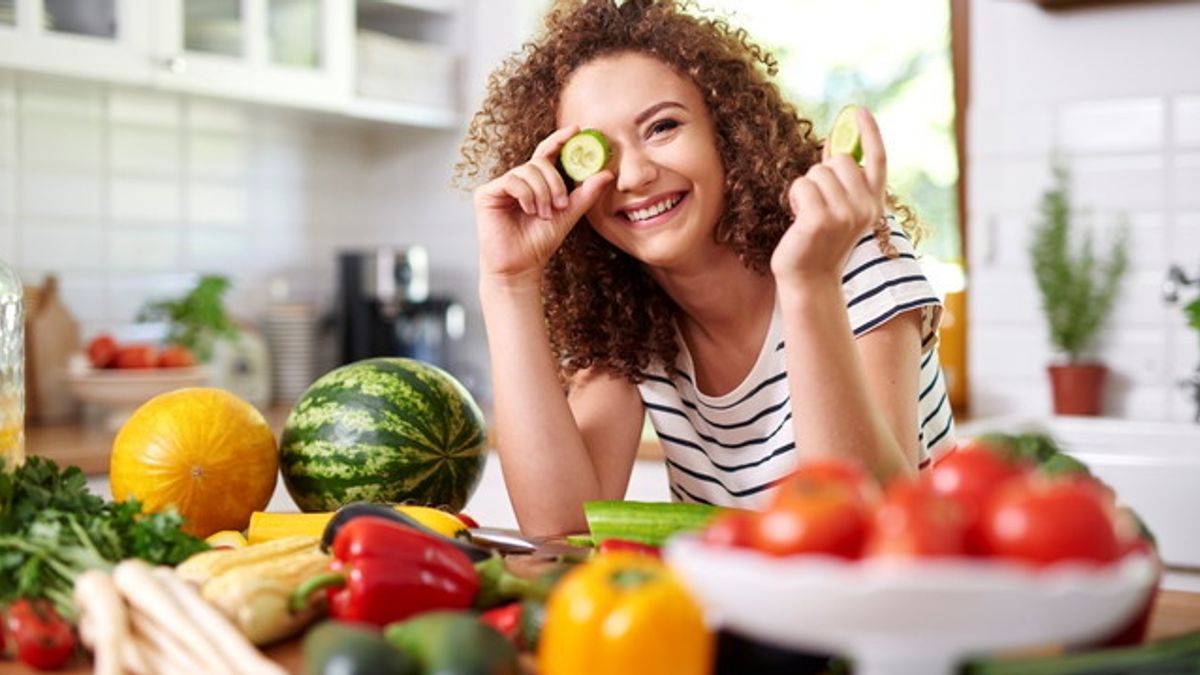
(255,597)
(204,566)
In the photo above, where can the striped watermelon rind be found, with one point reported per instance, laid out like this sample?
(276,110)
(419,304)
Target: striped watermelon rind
(392,430)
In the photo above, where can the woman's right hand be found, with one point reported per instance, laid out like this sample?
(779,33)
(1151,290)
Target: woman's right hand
(523,216)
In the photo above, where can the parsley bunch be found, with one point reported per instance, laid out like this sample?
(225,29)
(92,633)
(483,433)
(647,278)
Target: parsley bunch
(52,530)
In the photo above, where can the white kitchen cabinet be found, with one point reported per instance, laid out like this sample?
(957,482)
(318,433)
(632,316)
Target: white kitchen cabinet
(95,39)
(284,52)
(395,61)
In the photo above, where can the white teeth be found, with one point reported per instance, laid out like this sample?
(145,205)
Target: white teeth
(653,210)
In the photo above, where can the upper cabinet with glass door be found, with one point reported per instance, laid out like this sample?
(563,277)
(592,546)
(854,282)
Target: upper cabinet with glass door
(290,52)
(407,60)
(107,39)
(397,61)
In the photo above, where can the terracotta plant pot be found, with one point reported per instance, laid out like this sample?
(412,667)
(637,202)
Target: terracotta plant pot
(1078,388)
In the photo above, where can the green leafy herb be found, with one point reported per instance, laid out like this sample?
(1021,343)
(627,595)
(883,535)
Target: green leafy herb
(1077,290)
(197,319)
(1192,312)
(52,530)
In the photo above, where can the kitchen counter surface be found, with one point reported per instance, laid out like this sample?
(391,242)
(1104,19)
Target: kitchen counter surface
(89,446)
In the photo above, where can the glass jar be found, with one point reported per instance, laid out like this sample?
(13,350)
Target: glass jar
(12,368)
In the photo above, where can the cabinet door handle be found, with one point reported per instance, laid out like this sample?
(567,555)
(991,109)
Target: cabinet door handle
(177,64)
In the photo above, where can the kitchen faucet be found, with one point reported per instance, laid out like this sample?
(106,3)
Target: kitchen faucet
(1176,280)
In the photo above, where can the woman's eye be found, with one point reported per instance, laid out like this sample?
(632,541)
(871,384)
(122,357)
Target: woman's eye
(661,126)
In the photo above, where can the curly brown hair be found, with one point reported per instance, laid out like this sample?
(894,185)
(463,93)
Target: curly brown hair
(620,321)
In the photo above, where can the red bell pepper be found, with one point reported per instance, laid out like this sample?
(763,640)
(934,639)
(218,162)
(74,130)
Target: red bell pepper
(43,639)
(384,572)
(506,619)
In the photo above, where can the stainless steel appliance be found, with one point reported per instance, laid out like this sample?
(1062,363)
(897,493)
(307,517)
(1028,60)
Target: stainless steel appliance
(384,308)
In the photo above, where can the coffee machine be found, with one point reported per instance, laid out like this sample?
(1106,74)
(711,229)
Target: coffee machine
(384,308)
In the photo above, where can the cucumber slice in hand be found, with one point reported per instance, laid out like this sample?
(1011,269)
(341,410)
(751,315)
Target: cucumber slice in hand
(584,154)
(844,137)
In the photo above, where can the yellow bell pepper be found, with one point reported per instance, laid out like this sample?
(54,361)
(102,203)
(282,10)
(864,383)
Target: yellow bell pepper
(623,613)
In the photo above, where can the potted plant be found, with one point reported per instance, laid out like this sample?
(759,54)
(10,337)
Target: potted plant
(1078,291)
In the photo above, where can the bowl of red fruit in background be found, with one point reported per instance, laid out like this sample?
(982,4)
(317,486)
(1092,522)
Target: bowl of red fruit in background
(120,376)
(986,552)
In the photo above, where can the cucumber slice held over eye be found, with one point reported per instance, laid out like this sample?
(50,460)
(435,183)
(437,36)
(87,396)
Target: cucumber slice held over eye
(845,137)
(584,154)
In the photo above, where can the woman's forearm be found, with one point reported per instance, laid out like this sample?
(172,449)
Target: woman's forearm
(546,465)
(833,409)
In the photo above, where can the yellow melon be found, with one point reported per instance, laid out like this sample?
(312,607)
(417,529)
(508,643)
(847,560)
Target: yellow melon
(205,452)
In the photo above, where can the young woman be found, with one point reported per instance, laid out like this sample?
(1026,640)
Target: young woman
(723,273)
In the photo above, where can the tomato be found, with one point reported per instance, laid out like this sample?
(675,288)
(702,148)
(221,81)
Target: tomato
(970,475)
(102,351)
(176,356)
(137,356)
(833,469)
(1044,522)
(813,515)
(731,529)
(914,521)
(43,639)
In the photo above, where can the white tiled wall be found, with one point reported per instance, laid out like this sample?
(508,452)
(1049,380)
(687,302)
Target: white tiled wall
(127,194)
(1116,92)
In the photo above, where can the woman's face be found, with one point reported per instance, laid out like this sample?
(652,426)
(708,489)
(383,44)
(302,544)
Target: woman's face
(670,183)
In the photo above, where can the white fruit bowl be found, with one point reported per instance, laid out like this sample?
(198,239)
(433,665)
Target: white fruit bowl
(908,618)
(120,392)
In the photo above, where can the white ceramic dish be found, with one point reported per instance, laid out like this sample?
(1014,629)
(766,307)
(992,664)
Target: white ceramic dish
(908,619)
(120,392)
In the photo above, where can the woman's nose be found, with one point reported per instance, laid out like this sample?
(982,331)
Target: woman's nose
(634,169)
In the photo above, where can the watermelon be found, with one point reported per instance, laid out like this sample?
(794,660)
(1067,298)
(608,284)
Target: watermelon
(383,430)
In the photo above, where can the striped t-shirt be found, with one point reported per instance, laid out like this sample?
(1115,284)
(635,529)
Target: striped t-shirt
(733,449)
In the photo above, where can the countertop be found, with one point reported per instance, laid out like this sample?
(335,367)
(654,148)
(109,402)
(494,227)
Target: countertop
(88,446)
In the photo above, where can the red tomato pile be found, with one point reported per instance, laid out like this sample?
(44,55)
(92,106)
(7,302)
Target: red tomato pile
(976,502)
(104,352)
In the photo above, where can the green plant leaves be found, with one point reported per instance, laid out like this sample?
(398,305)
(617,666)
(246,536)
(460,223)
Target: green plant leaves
(1078,289)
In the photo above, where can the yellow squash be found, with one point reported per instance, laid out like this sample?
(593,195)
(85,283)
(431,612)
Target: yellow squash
(629,614)
(266,526)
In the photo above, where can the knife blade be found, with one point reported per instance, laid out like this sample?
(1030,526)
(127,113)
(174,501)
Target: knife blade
(512,542)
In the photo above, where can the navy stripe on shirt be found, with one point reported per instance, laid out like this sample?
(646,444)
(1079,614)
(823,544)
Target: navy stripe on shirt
(728,468)
(770,380)
(871,263)
(712,479)
(740,444)
(936,376)
(887,284)
(903,307)
(736,425)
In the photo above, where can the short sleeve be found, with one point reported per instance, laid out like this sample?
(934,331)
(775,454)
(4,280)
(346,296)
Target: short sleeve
(878,288)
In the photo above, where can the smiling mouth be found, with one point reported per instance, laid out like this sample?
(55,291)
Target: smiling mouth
(654,210)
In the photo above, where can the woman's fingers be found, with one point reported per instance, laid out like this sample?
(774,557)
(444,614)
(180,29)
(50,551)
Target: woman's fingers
(835,195)
(543,200)
(805,197)
(558,188)
(516,187)
(874,154)
(584,196)
(552,144)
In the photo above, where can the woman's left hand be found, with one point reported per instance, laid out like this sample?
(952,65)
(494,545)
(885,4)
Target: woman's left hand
(835,203)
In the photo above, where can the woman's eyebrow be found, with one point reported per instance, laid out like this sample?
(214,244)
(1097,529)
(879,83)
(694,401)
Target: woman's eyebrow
(649,112)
